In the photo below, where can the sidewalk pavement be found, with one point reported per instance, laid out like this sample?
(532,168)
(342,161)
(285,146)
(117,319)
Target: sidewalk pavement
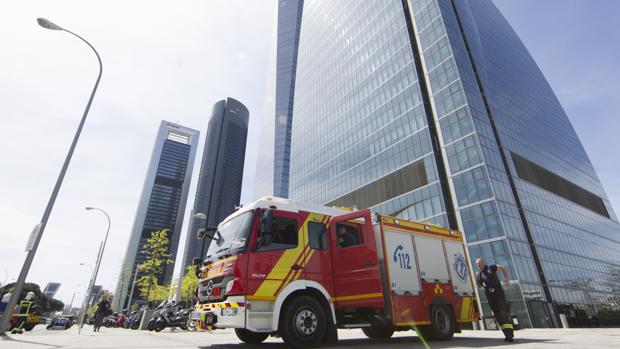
(40,338)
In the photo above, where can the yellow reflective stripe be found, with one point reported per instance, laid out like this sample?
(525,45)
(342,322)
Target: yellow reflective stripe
(275,278)
(506,326)
(465,308)
(358,296)
(261,298)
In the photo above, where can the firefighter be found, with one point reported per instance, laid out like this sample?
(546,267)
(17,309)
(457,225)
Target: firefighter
(25,307)
(487,278)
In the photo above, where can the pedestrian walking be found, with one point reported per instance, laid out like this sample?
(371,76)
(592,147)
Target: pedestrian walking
(487,278)
(103,310)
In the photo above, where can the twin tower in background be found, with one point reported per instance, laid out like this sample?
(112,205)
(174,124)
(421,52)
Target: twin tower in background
(166,187)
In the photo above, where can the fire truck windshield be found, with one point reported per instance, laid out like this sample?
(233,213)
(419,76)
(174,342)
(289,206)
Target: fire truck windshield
(231,236)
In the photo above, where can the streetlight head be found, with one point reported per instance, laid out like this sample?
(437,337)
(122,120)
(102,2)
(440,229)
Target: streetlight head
(47,24)
(88,208)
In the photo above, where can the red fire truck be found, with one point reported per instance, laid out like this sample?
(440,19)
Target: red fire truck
(283,268)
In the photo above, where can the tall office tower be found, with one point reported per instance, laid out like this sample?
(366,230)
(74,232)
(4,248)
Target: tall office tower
(289,23)
(161,205)
(434,110)
(221,172)
(50,289)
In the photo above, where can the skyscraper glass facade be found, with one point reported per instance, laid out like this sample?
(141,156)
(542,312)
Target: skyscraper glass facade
(289,23)
(162,204)
(359,113)
(221,172)
(434,110)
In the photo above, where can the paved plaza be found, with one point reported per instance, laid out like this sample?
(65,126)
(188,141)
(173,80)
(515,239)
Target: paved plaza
(40,338)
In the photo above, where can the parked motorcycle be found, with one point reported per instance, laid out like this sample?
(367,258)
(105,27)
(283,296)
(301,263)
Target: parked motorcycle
(178,319)
(110,320)
(133,321)
(164,307)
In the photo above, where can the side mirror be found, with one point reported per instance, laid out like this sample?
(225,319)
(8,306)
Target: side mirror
(219,241)
(265,236)
(267,239)
(202,233)
(262,241)
(265,222)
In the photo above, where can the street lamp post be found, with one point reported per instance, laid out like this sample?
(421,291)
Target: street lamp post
(97,263)
(68,311)
(32,248)
(190,231)
(87,294)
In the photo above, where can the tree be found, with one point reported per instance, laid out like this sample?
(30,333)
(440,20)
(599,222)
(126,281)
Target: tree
(189,284)
(157,257)
(48,305)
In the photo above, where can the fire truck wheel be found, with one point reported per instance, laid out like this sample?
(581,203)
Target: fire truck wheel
(303,322)
(247,336)
(442,323)
(377,331)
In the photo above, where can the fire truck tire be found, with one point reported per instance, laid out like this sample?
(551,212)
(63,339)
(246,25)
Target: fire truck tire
(247,336)
(303,322)
(331,333)
(442,324)
(378,332)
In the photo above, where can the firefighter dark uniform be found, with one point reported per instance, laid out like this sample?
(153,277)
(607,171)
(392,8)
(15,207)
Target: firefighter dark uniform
(497,299)
(21,317)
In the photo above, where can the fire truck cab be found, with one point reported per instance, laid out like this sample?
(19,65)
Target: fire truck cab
(280,267)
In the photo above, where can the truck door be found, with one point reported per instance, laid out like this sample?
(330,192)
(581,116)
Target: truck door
(273,262)
(357,280)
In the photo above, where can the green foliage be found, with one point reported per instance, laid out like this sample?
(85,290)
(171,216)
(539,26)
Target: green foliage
(90,311)
(157,257)
(48,305)
(189,284)
(55,305)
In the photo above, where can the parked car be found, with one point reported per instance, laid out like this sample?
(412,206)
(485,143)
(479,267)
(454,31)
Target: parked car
(61,322)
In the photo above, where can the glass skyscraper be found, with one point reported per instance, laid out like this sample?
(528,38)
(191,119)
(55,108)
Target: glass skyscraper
(221,173)
(162,204)
(434,110)
(289,23)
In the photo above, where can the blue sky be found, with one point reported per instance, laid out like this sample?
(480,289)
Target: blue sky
(173,61)
(576,44)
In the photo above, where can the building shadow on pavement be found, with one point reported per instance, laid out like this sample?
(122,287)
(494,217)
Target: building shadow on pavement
(394,343)
(10,339)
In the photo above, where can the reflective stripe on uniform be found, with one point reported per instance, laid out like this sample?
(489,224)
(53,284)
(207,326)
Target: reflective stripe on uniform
(507,326)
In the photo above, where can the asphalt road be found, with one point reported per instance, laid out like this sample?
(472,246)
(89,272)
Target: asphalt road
(40,338)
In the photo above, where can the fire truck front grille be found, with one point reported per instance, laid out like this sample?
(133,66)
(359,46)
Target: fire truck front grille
(216,281)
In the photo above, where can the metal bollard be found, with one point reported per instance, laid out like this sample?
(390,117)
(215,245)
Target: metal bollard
(564,321)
